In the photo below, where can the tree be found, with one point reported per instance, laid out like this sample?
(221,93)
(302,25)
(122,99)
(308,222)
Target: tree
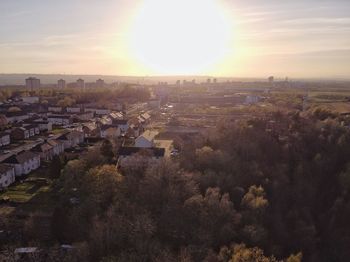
(101,185)
(255,198)
(55,167)
(107,150)
(295,258)
(14,109)
(67,101)
(211,220)
(243,254)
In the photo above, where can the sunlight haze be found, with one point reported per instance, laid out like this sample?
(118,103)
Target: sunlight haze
(165,37)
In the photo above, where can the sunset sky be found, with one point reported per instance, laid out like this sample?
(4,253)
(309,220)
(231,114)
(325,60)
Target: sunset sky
(250,38)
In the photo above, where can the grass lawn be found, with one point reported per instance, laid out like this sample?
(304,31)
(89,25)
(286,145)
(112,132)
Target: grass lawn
(57,131)
(33,194)
(22,192)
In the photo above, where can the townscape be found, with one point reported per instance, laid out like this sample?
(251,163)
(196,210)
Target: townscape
(175,131)
(51,134)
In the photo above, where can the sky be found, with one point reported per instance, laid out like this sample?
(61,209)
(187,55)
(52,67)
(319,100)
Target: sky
(233,38)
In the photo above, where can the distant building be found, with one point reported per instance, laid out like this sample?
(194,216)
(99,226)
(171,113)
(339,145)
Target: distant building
(32,83)
(55,109)
(98,111)
(60,120)
(61,84)
(252,99)
(80,83)
(100,83)
(146,140)
(13,117)
(30,99)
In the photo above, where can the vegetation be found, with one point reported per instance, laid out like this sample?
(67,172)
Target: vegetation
(273,188)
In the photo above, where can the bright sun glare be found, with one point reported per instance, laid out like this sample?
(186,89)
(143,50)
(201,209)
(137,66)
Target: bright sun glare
(179,36)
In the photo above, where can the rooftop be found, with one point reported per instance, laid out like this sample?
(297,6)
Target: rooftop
(149,135)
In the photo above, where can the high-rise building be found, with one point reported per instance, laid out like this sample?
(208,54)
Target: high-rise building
(80,83)
(100,83)
(61,84)
(32,83)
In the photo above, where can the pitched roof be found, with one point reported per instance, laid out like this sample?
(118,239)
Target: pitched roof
(19,128)
(120,121)
(42,147)
(105,127)
(2,134)
(21,157)
(74,134)
(145,116)
(52,142)
(30,126)
(60,116)
(4,168)
(149,135)
(115,115)
(12,114)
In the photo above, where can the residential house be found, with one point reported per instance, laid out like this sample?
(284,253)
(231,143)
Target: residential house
(4,139)
(75,110)
(105,120)
(30,99)
(7,175)
(55,109)
(60,120)
(109,131)
(24,162)
(71,139)
(154,103)
(123,124)
(13,117)
(115,116)
(134,130)
(146,140)
(45,150)
(90,129)
(98,111)
(84,116)
(146,118)
(57,146)
(19,133)
(3,121)
(33,129)
(44,125)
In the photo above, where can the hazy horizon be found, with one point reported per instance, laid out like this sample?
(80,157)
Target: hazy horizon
(220,38)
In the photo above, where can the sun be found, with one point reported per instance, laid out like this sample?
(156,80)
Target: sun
(179,36)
